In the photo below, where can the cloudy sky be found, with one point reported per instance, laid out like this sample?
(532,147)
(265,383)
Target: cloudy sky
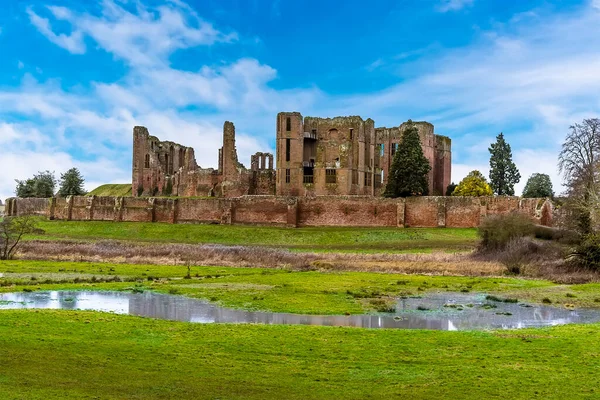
(75,77)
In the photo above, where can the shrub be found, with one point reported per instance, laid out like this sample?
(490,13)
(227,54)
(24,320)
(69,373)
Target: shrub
(498,231)
(587,253)
(559,235)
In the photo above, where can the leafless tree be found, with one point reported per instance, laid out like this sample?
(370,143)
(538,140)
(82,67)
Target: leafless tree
(12,231)
(579,163)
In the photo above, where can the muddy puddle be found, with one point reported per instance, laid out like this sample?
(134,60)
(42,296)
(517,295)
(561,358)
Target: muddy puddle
(441,311)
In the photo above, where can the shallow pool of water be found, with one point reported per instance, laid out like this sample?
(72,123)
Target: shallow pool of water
(441,311)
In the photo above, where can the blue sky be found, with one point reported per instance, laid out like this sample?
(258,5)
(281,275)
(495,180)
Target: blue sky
(75,77)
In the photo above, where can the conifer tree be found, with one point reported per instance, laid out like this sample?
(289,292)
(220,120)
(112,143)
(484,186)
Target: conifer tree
(71,183)
(409,169)
(503,171)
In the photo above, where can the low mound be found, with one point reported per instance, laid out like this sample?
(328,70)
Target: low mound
(115,189)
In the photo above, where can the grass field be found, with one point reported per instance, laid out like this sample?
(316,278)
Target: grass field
(77,355)
(115,189)
(319,238)
(280,290)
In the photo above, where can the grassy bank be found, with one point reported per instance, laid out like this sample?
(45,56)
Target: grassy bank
(311,292)
(72,355)
(114,189)
(321,238)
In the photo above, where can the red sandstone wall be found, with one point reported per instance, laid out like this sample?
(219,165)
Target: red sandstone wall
(303,211)
(462,212)
(347,211)
(261,210)
(104,208)
(61,208)
(136,209)
(422,212)
(32,206)
(201,210)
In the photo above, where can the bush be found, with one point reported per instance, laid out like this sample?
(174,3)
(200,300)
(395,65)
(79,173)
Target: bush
(558,235)
(587,253)
(496,232)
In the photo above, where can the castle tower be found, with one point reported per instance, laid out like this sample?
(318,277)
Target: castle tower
(140,160)
(290,147)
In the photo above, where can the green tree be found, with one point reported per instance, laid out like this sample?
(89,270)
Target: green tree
(409,169)
(538,185)
(41,184)
(71,183)
(503,171)
(474,184)
(450,189)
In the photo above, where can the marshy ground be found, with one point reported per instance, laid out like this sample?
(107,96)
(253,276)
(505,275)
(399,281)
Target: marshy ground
(76,354)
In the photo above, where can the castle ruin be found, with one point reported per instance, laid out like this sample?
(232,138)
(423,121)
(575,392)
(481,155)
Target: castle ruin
(170,169)
(315,156)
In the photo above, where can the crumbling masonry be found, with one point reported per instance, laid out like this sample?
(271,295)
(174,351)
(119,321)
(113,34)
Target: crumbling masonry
(315,156)
(170,169)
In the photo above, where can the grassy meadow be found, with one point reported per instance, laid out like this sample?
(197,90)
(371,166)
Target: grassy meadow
(82,355)
(49,354)
(309,238)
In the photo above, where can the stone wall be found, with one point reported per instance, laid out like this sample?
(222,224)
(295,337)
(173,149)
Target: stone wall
(452,212)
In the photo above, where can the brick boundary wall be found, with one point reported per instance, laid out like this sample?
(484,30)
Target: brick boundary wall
(451,212)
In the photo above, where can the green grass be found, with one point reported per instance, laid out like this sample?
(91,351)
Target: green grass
(82,355)
(317,238)
(115,189)
(280,290)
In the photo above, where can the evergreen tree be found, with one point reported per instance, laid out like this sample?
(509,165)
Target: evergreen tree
(450,189)
(537,186)
(409,169)
(41,185)
(503,171)
(474,184)
(71,183)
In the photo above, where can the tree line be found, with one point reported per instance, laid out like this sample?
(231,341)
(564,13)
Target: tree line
(409,171)
(43,184)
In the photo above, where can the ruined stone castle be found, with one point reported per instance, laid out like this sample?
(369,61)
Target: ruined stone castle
(315,156)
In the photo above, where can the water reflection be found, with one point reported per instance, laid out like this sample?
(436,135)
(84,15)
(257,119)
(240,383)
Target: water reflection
(445,311)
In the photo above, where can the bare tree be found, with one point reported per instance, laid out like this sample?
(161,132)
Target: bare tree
(579,162)
(12,231)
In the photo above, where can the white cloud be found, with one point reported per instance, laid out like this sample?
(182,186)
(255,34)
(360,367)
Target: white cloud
(20,65)
(146,38)
(453,5)
(73,43)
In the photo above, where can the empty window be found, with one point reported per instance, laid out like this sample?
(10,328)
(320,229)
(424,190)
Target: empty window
(351,133)
(394,148)
(381,149)
(288,124)
(287,176)
(367,179)
(330,175)
(287,149)
(147,161)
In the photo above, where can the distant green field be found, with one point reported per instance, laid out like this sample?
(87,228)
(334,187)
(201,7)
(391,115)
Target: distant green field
(313,238)
(115,189)
(83,355)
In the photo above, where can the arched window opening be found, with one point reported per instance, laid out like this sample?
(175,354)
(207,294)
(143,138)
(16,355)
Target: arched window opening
(147,161)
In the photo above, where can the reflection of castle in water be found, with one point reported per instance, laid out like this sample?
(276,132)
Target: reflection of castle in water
(183,309)
(472,316)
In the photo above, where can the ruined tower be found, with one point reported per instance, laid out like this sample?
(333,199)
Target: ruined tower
(348,155)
